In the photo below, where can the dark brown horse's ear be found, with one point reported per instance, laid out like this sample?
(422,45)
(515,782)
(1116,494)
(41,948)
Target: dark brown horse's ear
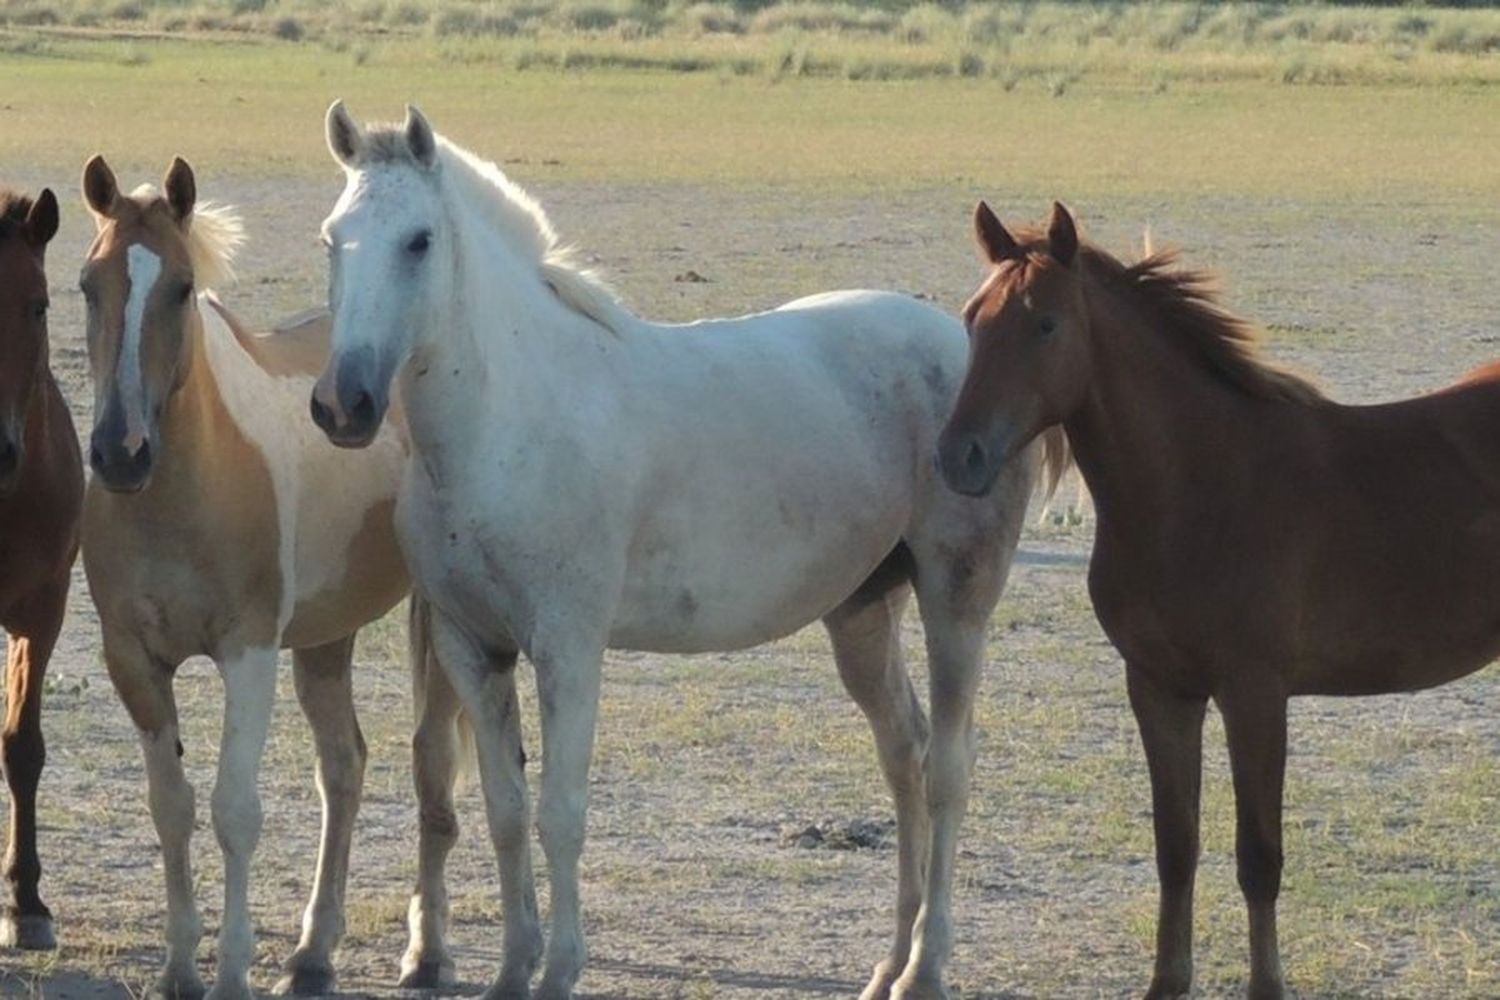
(181,188)
(99,187)
(1062,236)
(41,221)
(994,242)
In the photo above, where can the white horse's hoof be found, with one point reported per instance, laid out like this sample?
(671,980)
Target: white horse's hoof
(426,973)
(237,990)
(172,985)
(506,988)
(27,931)
(306,978)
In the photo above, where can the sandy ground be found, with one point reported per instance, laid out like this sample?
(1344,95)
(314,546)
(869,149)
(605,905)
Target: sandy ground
(693,886)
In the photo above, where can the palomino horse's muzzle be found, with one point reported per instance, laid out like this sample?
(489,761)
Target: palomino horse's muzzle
(349,401)
(120,457)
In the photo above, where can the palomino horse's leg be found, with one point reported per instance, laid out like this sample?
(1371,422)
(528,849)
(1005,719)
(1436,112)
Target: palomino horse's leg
(957,587)
(25,921)
(325,691)
(568,678)
(866,634)
(1255,724)
(1171,726)
(249,693)
(486,683)
(145,687)
(434,750)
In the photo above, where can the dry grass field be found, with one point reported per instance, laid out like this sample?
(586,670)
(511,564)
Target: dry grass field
(1359,222)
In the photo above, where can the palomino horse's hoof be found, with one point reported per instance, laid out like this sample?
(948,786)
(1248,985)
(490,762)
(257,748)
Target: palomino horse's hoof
(27,931)
(879,987)
(427,974)
(309,980)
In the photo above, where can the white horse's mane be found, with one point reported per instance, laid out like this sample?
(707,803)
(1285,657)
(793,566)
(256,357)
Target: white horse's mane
(482,187)
(214,235)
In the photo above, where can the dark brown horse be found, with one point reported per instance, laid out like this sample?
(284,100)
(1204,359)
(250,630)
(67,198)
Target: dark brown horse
(41,491)
(1255,540)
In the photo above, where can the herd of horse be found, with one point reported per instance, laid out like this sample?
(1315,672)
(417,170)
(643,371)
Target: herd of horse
(547,474)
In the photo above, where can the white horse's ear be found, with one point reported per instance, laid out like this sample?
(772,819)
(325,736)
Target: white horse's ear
(345,140)
(420,138)
(181,188)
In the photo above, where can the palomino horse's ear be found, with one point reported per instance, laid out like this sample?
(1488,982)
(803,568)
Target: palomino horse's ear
(1062,236)
(181,188)
(345,140)
(41,221)
(100,189)
(994,242)
(419,137)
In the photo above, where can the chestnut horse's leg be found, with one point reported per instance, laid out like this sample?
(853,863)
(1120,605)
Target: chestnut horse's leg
(434,752)
(1171,727)
(144,685)
(1255,724)
(866,635)
(25,921)
(325,691)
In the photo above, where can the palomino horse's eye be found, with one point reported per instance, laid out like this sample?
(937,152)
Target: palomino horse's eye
(185,292)
(419,243)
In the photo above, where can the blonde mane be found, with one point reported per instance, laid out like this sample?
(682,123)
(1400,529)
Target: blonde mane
(214,235)
(480,186)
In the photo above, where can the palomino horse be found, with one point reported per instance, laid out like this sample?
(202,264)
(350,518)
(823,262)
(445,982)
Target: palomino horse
(1255,540)
(219,523)
(41,492)
(582,479)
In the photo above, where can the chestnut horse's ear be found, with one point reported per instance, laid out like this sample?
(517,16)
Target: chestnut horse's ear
(420,138)
(1062,236)
(99,187)
(41,221)
(994,242)
(181,188)
(345,140)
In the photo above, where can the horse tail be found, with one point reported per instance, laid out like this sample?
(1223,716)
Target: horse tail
(428,678)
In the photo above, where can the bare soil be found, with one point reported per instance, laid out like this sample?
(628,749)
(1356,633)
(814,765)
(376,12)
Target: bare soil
(699,877)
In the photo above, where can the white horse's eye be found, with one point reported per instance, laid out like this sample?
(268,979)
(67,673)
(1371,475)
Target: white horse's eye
(419,243)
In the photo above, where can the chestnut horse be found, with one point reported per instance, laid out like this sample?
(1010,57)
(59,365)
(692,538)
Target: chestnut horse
(1255,540)
(41,491)
(218,522)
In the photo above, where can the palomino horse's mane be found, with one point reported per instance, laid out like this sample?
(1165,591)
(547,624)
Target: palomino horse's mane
(214,235)
(14,207)
(1185,303)
(520,220)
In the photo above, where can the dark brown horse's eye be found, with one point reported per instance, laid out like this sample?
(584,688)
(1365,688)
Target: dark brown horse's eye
(39,310)
(1047,325)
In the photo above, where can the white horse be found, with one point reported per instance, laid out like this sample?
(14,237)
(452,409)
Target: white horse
(582,479)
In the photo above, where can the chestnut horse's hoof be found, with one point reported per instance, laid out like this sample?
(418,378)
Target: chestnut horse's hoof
(427,974)
(27,931)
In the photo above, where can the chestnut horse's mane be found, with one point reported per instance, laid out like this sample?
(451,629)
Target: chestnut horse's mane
(1184,302)
(14,207)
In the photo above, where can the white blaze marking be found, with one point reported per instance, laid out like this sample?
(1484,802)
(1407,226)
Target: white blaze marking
(143,268)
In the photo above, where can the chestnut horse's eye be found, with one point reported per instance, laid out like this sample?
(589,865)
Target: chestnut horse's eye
(39,310)
(419,243)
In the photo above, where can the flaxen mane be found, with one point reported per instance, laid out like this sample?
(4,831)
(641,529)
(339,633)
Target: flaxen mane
(14,207)
(482,186)
(214,235)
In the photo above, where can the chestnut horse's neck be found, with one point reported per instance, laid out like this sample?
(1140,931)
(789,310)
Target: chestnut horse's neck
(1158,413)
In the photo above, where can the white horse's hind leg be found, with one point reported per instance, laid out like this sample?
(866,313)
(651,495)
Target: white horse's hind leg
(568,688)
(434,746)
(325,691)
(486,684)
(866,634)
(249,692)
(962,562)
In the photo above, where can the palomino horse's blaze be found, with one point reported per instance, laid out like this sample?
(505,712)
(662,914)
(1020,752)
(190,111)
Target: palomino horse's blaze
(1255,540)
(41,491)
(581,479)
(217,524)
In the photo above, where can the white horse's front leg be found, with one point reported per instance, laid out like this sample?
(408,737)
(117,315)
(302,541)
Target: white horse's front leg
(568,686)
(249,692)
(486,684)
